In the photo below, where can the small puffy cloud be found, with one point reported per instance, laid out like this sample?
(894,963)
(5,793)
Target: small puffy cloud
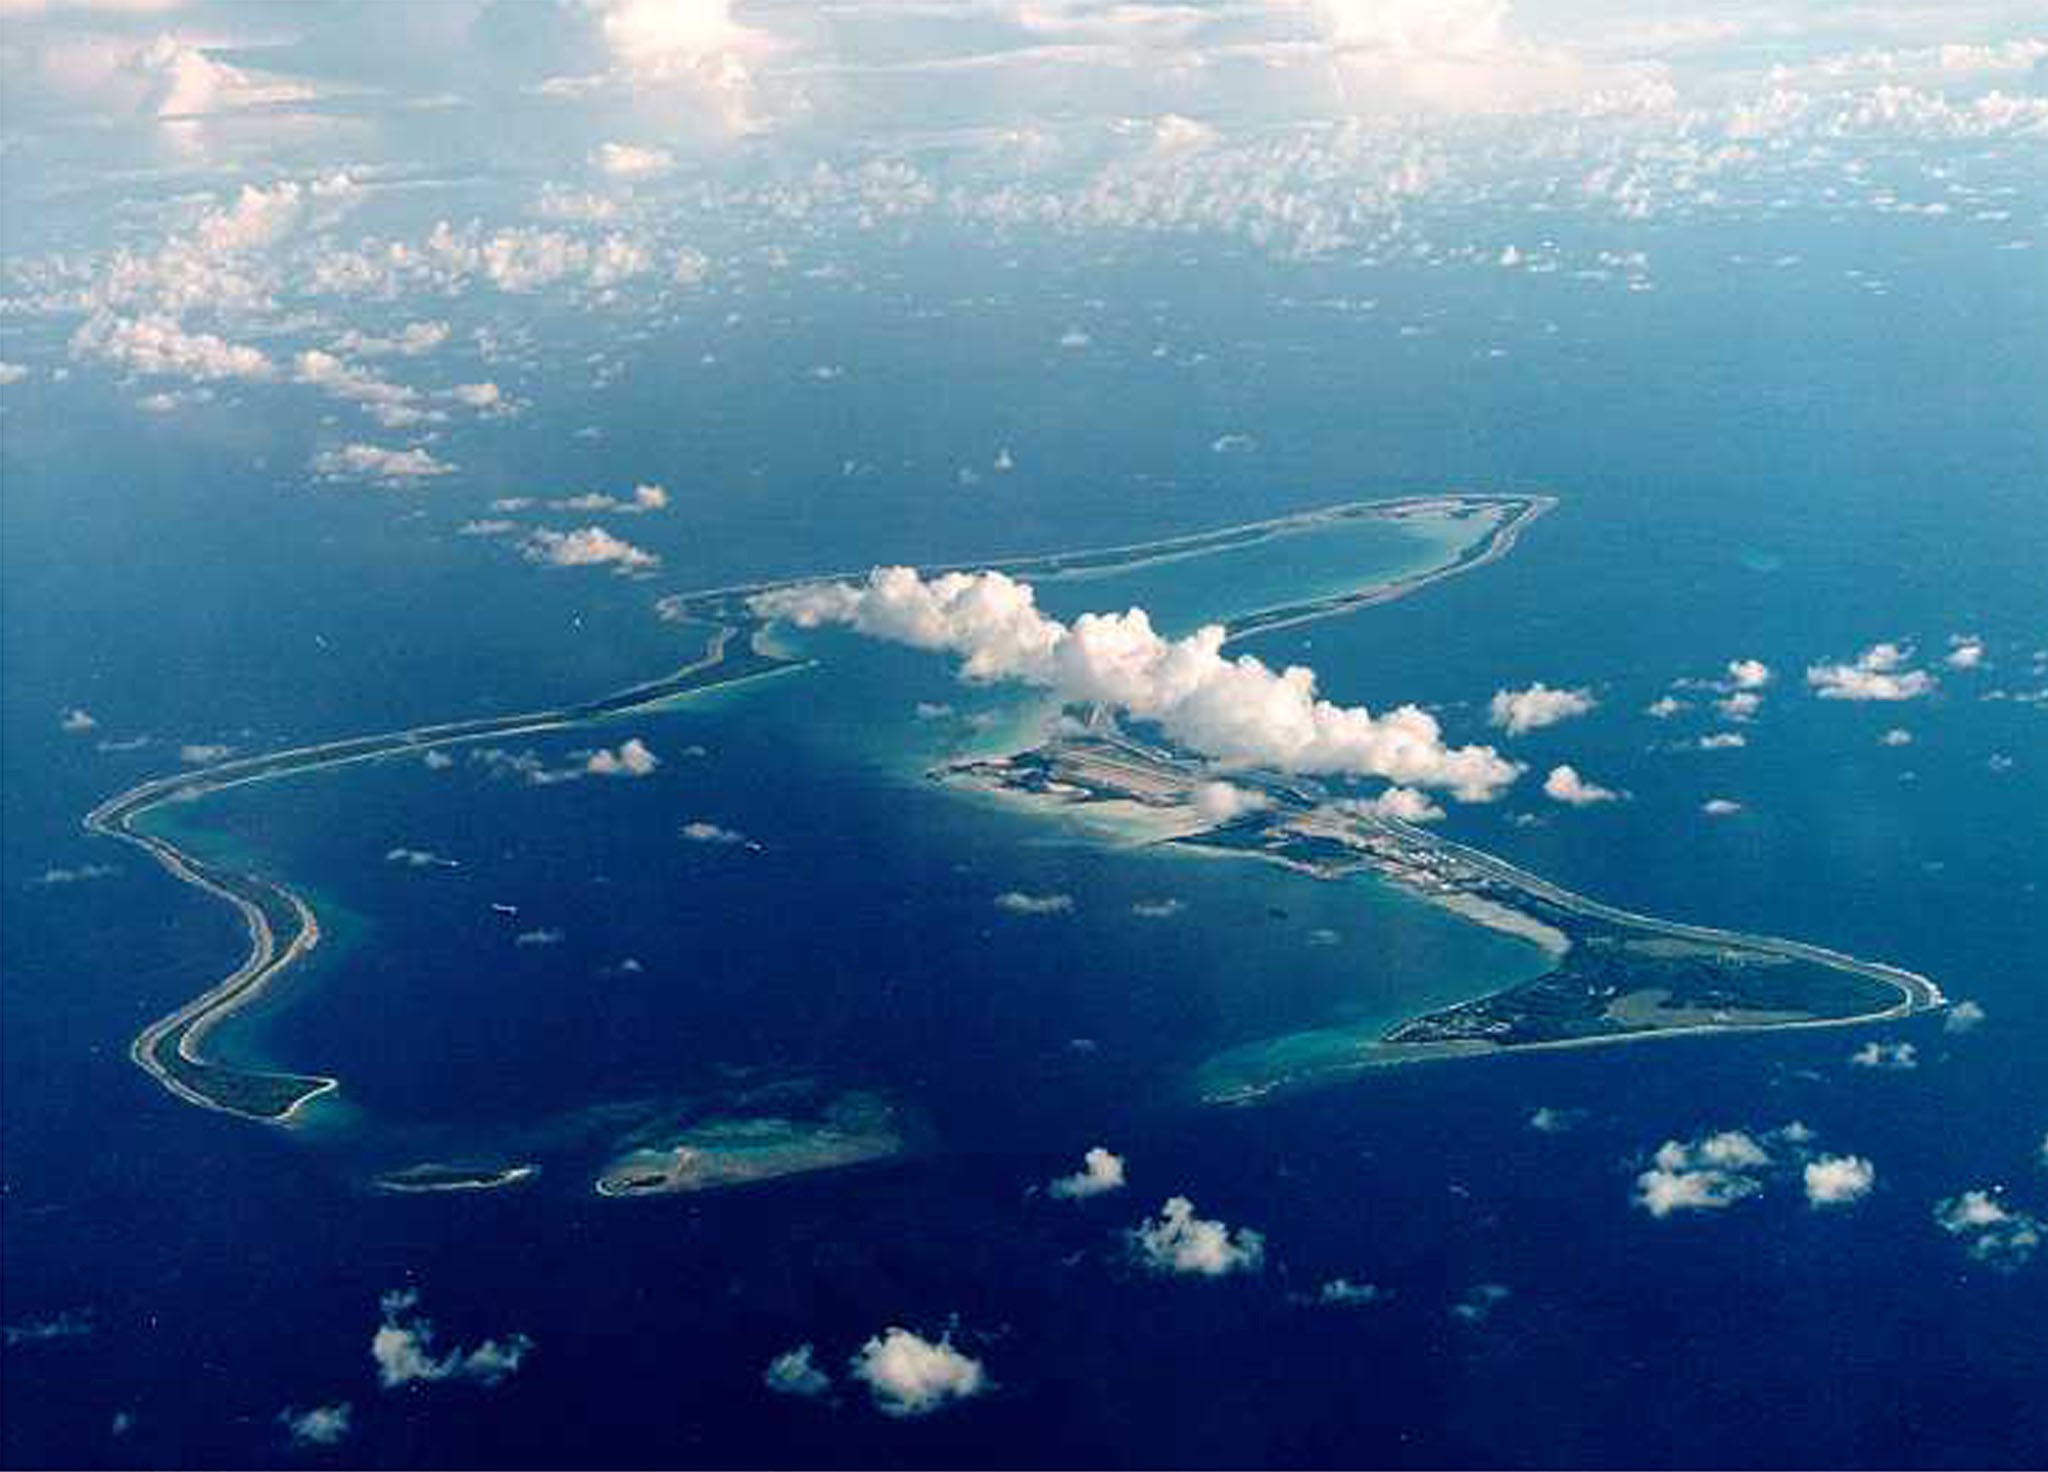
(1479,1302)
(1701,1175)
(1178,1241)
(320,1426)
(392,405)
(418,858)
(794,1372)
(1403,803)
(534,939)
(414,340)
(1343,1293)
(1720,807)
(483,397)
(1519,711)
(1101,1172)
(1548,1121)
(1074,337)
(1993,1233)
(1964,1016)
(1748,674)
(82,874)
(70,1324)
(1896,736)
(1233,444)
(1157,909)
(1223,802)
(157,346)
(359,461)
(1740,705)
(909,1375)
(77,721)
(437,761)
(700,830)
(1965,652)
(631,759)
(627,161)
(1565,785)
(1664,707)
(403,1345)
(11,373)
(1895,1057)
(1838,1180)
(645,498)
(1018,902)
(1723,741)
(590,546)
(1878,673)
(204,753)
(691,267)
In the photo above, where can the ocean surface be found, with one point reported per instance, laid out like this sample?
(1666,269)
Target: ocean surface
(1736,480)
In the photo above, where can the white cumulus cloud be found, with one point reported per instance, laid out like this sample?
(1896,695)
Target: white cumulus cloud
(1701,1175)
(909,1375)
(1178,1241)
(157,345)
(589,546)
(1895,1057)
(631,759)
(794,1372)
(403,1348)
(629,161)
(1221,802)
(1520,711)
(1565,785)
(1237,710)
(1101,1172)
(1992,1232)
(1878,673)
(1838,1180)
(358,461)
(1017,902)
(320,1426)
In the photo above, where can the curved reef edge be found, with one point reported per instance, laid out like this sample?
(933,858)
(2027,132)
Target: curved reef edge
(283,928)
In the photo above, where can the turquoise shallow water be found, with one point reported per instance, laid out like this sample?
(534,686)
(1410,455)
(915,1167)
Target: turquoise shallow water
(1299,566)
(660,961)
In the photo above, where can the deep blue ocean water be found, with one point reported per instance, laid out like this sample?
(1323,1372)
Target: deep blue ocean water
(1751,464)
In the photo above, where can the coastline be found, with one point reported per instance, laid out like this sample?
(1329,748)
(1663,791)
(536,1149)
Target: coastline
(171,1049)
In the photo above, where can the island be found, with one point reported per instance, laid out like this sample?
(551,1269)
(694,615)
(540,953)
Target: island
(281,926)
(431,1176)
(1615,975)
(856,1129)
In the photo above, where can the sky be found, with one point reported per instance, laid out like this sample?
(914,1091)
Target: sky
(203,196)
